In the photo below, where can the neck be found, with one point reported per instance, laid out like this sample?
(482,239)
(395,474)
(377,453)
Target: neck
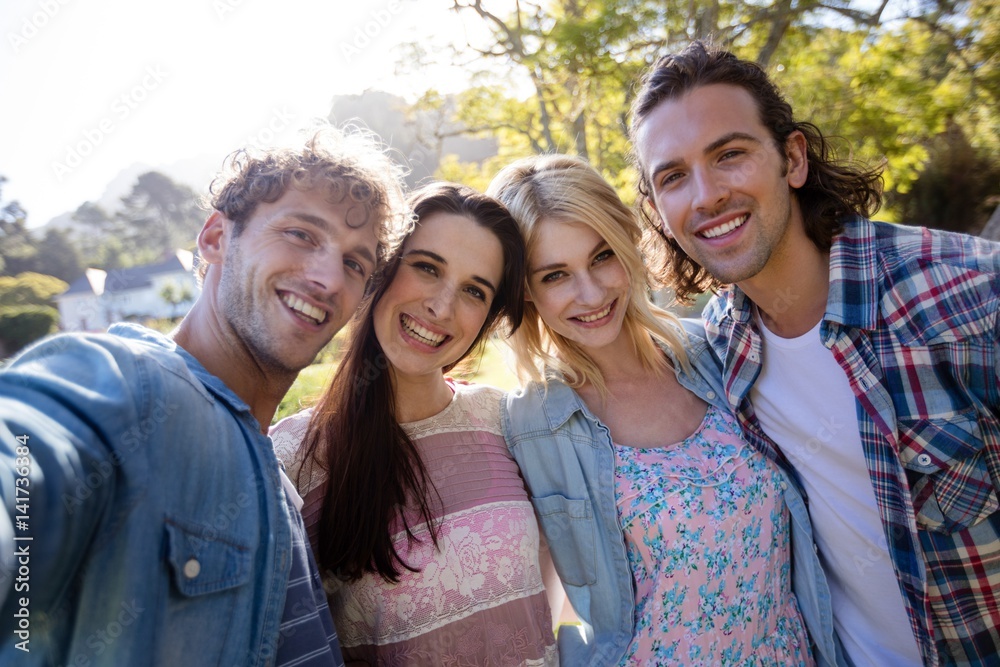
(791,299)
(213,343)
(618,362)
(419,397)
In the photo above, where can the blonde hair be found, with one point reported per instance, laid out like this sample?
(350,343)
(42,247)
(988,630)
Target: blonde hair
(567,189)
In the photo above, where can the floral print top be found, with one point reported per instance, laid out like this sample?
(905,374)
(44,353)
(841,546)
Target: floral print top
(707,537)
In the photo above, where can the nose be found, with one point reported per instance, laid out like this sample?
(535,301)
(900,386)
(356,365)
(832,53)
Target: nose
(709,190)
(441,303)
(326,271)
(591,292)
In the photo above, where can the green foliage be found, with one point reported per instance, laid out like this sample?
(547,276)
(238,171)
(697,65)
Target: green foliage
(176,295)
(953,190)
(158,215)
(30,289)
(886,87)
(27,309)
(22,325)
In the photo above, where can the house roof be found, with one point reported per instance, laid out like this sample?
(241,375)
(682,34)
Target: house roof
(96,281)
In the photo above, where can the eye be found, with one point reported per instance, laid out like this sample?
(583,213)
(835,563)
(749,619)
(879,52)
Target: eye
(476,292)
(298,234)
(730,153)
(670,178)
(425,267)
(604,255)
(355,266)
(550,277)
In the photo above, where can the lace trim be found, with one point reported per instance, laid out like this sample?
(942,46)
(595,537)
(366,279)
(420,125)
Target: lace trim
(286,438)
(486,556)
(474,408)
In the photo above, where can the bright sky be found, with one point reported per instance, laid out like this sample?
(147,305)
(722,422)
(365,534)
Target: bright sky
(91,87)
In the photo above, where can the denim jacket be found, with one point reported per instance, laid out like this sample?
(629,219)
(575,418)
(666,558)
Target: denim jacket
(160,534)
(566,457)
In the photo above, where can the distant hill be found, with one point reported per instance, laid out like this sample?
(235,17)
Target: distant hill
(413,141)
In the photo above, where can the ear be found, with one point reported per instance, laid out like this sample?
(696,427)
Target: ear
(796,152)
(214,238)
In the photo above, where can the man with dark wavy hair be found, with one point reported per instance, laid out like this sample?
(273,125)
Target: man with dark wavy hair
(147,520)
(860,355)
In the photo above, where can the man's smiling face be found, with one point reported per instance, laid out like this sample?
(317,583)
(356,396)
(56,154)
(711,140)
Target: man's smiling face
(293,276)
(718,182)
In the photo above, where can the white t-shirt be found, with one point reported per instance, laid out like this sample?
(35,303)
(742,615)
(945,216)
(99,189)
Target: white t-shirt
(805,405)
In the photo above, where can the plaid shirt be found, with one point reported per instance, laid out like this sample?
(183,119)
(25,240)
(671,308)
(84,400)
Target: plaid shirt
(911,317)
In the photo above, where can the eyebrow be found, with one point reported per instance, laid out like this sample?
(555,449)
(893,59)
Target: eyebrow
(559,265)
(324,224)
(441,260)
(712,147)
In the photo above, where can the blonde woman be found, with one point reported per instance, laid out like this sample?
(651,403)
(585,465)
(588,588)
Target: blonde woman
(669,532)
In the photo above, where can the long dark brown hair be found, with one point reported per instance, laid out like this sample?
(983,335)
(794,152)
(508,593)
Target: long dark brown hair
(833,190)
(375,470)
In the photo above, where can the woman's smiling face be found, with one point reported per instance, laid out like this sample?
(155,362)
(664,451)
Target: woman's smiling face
(439,299)
(578,286)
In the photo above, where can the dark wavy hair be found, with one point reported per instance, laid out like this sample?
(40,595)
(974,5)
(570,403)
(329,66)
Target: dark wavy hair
(833,190)
(351,164)
(376,475)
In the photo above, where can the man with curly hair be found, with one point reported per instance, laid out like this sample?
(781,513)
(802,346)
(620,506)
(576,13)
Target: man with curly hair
(147,519)
(860,355)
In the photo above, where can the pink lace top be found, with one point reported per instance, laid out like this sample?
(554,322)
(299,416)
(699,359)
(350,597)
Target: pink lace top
(478,598)
(707,537)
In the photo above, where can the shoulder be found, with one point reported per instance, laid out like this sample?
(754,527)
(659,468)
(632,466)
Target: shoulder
(537,409)
(287,438)
(287,435)
(937,285)
(106,365)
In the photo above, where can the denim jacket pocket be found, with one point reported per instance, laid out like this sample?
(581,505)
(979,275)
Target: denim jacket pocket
(954,489)
(570,531)
(202,561)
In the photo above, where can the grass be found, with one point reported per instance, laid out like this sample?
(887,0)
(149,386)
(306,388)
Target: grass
(490,368)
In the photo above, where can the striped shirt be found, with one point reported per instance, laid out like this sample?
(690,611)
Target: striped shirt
(306,636)
(912,319)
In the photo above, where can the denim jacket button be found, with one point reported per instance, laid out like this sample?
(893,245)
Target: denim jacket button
(192,568)
(710,395)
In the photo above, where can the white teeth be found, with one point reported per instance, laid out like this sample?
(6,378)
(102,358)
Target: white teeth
(597,316)
(420,332)
(726,228)
(303,308)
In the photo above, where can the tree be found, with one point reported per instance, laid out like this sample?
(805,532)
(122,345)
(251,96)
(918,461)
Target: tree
(17,246)
(176,295)
(158,215)
(886,81)
(27,309)
(57,255)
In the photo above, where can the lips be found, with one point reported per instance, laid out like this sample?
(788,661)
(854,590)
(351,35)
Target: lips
(421,333)
(306,311)
(725,228)
(601,314)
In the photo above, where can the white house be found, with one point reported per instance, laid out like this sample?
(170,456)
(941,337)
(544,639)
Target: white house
(100,298)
